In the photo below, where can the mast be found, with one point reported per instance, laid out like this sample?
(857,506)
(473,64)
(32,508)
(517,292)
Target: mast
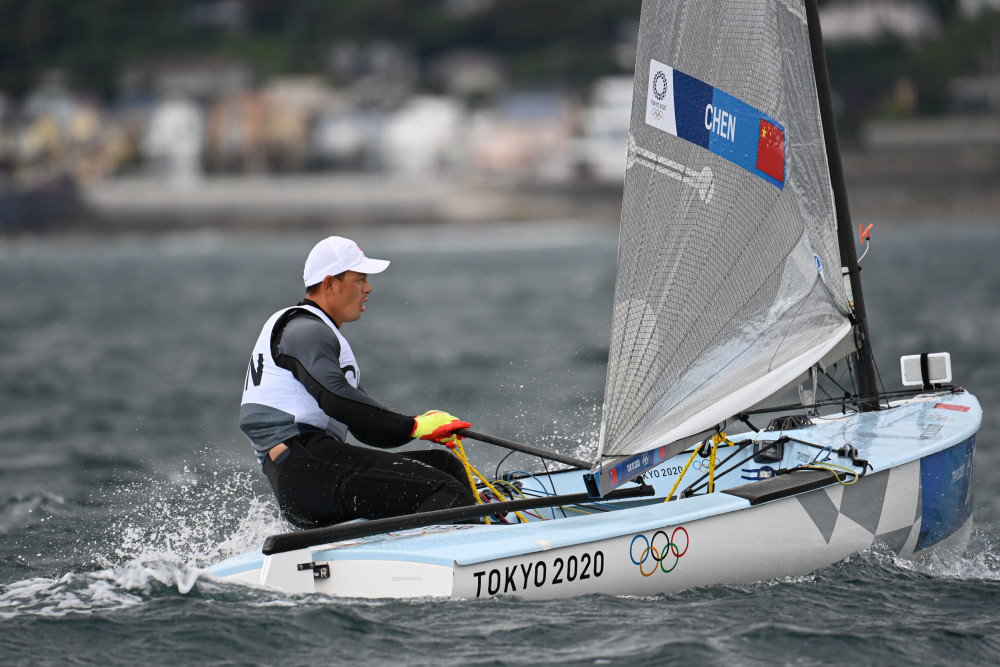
(867,379)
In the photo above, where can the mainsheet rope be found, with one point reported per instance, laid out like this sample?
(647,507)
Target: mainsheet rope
(719,438)
(459,451)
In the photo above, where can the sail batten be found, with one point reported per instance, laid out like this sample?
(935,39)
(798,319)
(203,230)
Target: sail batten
(729,273)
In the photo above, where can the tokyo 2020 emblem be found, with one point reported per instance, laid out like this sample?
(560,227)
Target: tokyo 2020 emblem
(660,85)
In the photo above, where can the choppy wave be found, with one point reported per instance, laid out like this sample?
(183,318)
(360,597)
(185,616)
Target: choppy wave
(28,510)
(158,547)
(104,530)
(115,588)
(871,604)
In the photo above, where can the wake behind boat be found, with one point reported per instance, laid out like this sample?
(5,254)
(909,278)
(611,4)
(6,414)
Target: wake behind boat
(738,281)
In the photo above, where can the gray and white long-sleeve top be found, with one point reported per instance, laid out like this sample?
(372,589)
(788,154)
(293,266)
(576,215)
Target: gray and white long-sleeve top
(303,377)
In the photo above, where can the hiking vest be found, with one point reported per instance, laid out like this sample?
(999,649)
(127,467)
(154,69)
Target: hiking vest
(271,386)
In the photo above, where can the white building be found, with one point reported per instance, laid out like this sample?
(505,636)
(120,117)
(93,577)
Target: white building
(601,148)
(174,141)
(423,135)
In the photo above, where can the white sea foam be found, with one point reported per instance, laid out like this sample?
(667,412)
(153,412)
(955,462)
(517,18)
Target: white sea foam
(980,559)
(114,588)
(195,518)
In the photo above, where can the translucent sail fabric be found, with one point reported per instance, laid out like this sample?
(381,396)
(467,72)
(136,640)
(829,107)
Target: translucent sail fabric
(729,274)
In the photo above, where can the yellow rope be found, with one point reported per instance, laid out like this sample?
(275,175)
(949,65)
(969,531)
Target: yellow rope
(721,438)
(498,494)
(459,451)
(834,468)
(573,509)
(678,482)
(717,439)
(711,466)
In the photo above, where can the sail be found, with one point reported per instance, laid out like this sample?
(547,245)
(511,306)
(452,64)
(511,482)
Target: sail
(729,278)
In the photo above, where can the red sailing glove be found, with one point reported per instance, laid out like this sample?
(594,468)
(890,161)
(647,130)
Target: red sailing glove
(438,426)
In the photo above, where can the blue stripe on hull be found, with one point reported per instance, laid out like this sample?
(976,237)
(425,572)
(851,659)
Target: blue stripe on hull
(946,492)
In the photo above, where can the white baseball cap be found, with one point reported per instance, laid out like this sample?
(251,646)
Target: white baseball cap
(335,255)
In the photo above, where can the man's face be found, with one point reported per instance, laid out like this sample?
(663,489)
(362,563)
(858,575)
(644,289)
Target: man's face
(348,296)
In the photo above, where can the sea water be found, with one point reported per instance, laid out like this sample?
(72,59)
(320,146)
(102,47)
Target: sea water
(123,471)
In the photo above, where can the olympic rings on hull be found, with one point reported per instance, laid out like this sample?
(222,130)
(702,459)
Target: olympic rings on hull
(660,551)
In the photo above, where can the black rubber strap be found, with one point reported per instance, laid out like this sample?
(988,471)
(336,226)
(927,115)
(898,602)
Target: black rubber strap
(925,372)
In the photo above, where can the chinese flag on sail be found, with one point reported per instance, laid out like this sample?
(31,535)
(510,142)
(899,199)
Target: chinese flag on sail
(771,151)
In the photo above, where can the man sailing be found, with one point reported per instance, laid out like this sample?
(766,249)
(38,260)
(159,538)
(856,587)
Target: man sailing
(303,394)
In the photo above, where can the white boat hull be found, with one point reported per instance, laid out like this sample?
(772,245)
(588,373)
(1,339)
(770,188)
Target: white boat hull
(916,500)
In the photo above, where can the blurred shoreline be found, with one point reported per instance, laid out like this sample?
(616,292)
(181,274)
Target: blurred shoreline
(914,187)
(309,201)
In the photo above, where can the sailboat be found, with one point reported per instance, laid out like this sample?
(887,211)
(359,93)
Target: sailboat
(744,434)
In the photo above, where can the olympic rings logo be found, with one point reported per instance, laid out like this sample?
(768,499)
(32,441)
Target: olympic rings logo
(662,554)
(701,466)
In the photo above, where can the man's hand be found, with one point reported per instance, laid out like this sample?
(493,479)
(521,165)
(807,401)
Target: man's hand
(438,426)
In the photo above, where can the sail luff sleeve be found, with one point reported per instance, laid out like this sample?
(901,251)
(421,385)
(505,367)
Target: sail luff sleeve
(867,376)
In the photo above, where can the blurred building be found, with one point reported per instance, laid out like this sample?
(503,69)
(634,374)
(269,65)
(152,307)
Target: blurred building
(174,141)
(973,8)
(600,152)
(227,14)
(197,77)
(467,74)
(291,106)
(626,43)
(423,136)
(377,73)
(975,94)
(55,131)
(6,139)
(235,133)
(47,142)
(528,136)
(348,138)
(874,20)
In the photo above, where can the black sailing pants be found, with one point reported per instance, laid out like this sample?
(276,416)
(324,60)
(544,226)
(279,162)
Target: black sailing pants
(319,481)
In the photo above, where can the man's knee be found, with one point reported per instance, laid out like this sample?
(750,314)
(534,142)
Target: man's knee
(448,495)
